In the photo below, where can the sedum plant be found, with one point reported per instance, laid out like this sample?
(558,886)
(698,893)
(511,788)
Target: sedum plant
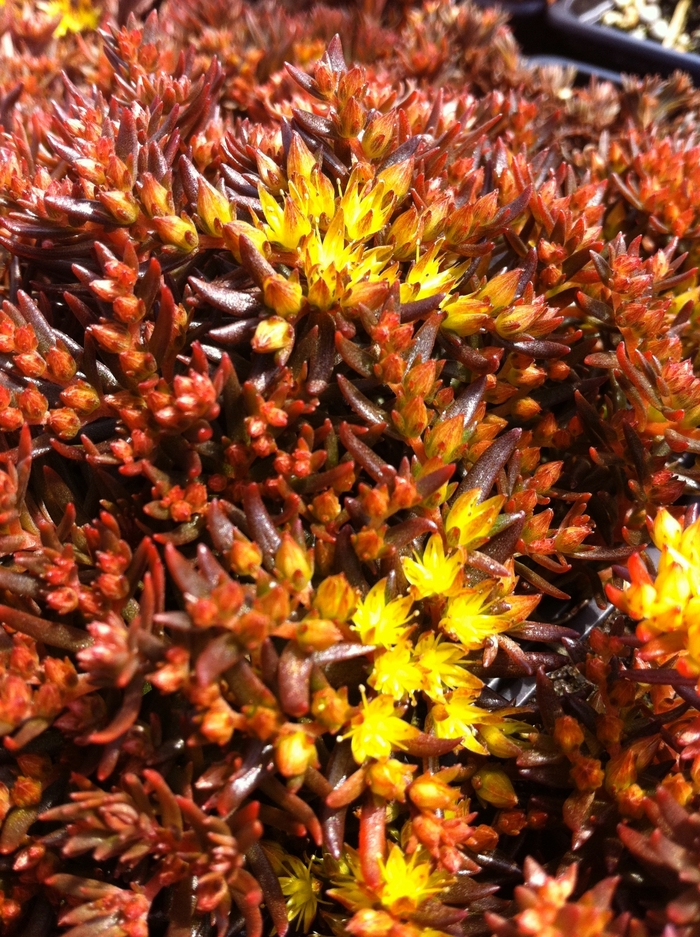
(337,398)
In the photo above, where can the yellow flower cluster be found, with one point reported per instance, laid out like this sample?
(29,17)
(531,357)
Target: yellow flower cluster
(468,613)
(667,605)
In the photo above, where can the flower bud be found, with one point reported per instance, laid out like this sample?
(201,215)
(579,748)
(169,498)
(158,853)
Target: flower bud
(107,290)
(155,198)
(517,320)
(122,206)
(445,440)
(568,734)
(274,335)
(405,233)
(11,418)
(351,84)
(25,339)
(295,752)
(112,337)
(352,118)
(283,294)
(370,923)
(294,563)
(219,722)
(81,396)
(65,422)
(378,135)
(429,792)
(390,778)
(494,786)
(511,822)
(213,208)
(31,364)
(498,743)
(588,775)
(246,557)
(326,507)
(179,232)
(300,159)
(666,530)
(317,634)
(397,178)
(525,409)
(61,365)
(335,598)
(128,309)
(330,708)
(33,405)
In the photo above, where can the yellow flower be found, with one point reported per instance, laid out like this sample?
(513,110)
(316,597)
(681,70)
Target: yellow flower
(441,663)
(381,622)
(470,520)
(378,729)
(396,673)
(460,717)
(301,889)
(333,267)
(285,226)
(366,205)
(408,883)
(425,277)
(668,605)
(465,314)
(467,617)
(434,574)
(76,16)
(309,188)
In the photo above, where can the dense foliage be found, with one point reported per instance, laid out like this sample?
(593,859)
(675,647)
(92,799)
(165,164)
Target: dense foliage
(338,400)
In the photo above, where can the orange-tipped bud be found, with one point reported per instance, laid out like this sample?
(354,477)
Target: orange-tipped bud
(405,233)
(317,634)
(352,118)
(81,396)
(179,232)
(295,752)
(445,440)
(389,779)
(65,422)
(246,557)
(397,178)
(11,418)
(294,563)
(335,598)
(61,365)
(330,708)
(283,294)
(378,135)
(568,734)
(122,206)
(31,364)
(300,159)
(370,923)
(213,208)
(33,405)
(128,309)
(274,335)
(525,409)
(429,792)
(112,337)
(156,199)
